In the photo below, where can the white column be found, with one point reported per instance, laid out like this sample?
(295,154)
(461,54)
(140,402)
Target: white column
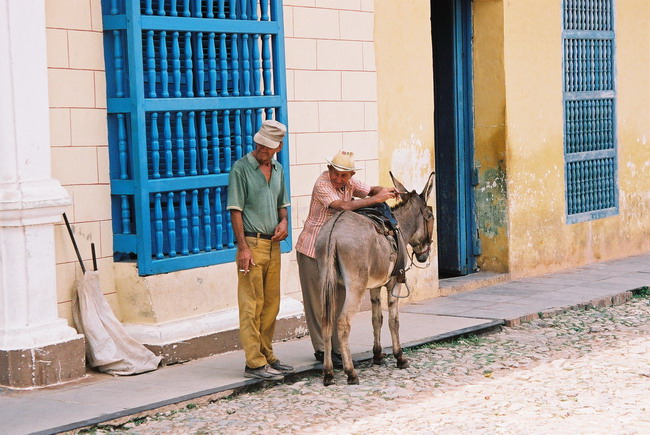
(31,201)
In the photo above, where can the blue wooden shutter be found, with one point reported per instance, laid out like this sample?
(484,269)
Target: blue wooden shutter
(189,82)
(589,110)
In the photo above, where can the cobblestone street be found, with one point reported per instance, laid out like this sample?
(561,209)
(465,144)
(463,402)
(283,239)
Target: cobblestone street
(577,372)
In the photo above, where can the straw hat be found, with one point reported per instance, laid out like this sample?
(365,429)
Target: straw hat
(270,134)
(343,161)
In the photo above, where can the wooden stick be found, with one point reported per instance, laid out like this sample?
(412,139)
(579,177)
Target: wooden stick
(74,243)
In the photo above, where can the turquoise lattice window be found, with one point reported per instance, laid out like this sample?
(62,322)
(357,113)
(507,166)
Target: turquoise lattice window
(189,82)
(589,110)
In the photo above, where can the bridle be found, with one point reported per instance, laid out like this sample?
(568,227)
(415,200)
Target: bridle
(427,236)
(412,263)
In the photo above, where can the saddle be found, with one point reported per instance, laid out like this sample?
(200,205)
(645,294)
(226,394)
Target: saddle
(385,224)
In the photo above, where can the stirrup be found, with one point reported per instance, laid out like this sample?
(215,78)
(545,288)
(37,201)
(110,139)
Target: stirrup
(401,279)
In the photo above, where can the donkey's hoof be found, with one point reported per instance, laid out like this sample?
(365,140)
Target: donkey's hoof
(378,359)
(328,379)
(353,379)
(403,363)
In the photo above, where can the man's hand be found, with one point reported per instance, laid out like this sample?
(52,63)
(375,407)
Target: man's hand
(281,231)
(245,259)
(385,194)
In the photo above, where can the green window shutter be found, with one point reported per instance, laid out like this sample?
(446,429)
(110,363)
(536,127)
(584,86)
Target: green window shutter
(590,144)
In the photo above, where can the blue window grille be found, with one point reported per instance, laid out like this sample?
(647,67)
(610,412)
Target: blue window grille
(590,144)
(189,82)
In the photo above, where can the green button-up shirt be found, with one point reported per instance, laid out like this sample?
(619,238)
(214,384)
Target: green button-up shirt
(257,199)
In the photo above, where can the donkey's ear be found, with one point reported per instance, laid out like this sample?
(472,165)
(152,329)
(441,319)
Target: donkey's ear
(427,188)
(397,184)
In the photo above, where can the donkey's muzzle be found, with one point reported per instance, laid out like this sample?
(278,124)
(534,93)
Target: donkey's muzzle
(422,256)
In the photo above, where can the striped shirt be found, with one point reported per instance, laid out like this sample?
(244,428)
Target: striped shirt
(322,196)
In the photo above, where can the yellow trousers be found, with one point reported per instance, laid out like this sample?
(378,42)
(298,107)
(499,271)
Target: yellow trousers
(258,294)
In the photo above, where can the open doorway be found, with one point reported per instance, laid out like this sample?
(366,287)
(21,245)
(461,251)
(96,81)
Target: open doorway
(451,34)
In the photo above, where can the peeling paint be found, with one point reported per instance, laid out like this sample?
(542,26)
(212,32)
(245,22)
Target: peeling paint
(411,162)
(491,201)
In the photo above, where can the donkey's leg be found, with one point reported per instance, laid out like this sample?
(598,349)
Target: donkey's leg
(377,321)
(351,306)
(328,367)
(393,324)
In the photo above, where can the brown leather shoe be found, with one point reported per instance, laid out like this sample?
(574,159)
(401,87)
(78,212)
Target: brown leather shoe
(265,372)
(281,367)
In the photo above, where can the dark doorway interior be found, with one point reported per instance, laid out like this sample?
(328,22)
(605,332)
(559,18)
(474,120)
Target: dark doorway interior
(451,37)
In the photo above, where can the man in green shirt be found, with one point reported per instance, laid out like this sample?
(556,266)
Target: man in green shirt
(258,201)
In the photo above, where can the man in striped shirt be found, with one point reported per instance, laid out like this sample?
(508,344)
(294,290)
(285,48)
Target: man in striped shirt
(334,191)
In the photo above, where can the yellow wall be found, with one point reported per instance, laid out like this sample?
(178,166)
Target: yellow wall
(490,133)
(405,107)
(633,106)
(540,239)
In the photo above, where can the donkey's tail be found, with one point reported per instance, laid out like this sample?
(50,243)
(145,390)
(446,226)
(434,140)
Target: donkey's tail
(329,284)
(329,279)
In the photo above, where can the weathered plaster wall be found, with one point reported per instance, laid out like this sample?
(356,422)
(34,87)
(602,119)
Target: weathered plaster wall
(633,106)
(405,107)
(490,133)
(535,173)
(540,240)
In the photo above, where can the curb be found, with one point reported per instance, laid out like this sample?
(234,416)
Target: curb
(606,301)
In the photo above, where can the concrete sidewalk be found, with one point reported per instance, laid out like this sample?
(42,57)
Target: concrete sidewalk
(100,398)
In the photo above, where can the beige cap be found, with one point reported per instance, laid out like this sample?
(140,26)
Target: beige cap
(270,134)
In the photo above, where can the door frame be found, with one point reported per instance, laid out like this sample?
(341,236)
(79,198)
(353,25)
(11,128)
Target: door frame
(466,175)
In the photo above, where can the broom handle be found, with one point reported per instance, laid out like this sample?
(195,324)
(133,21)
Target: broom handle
(74,243)
(92,249)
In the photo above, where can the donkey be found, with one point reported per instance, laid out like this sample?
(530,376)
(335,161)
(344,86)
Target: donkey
(352,253)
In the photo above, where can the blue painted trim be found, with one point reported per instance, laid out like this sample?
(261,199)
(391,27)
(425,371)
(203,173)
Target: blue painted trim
(464,135)
(591,215)
(589,95)
(188,183)
(280,88)
(138,133)
(202,259)
(189,261)
(122,105)
(590,34)
(114,22)
(473,242)
(590,155)
(126,187)
(126,243)
(208,25)
(212,103)
(122,187)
